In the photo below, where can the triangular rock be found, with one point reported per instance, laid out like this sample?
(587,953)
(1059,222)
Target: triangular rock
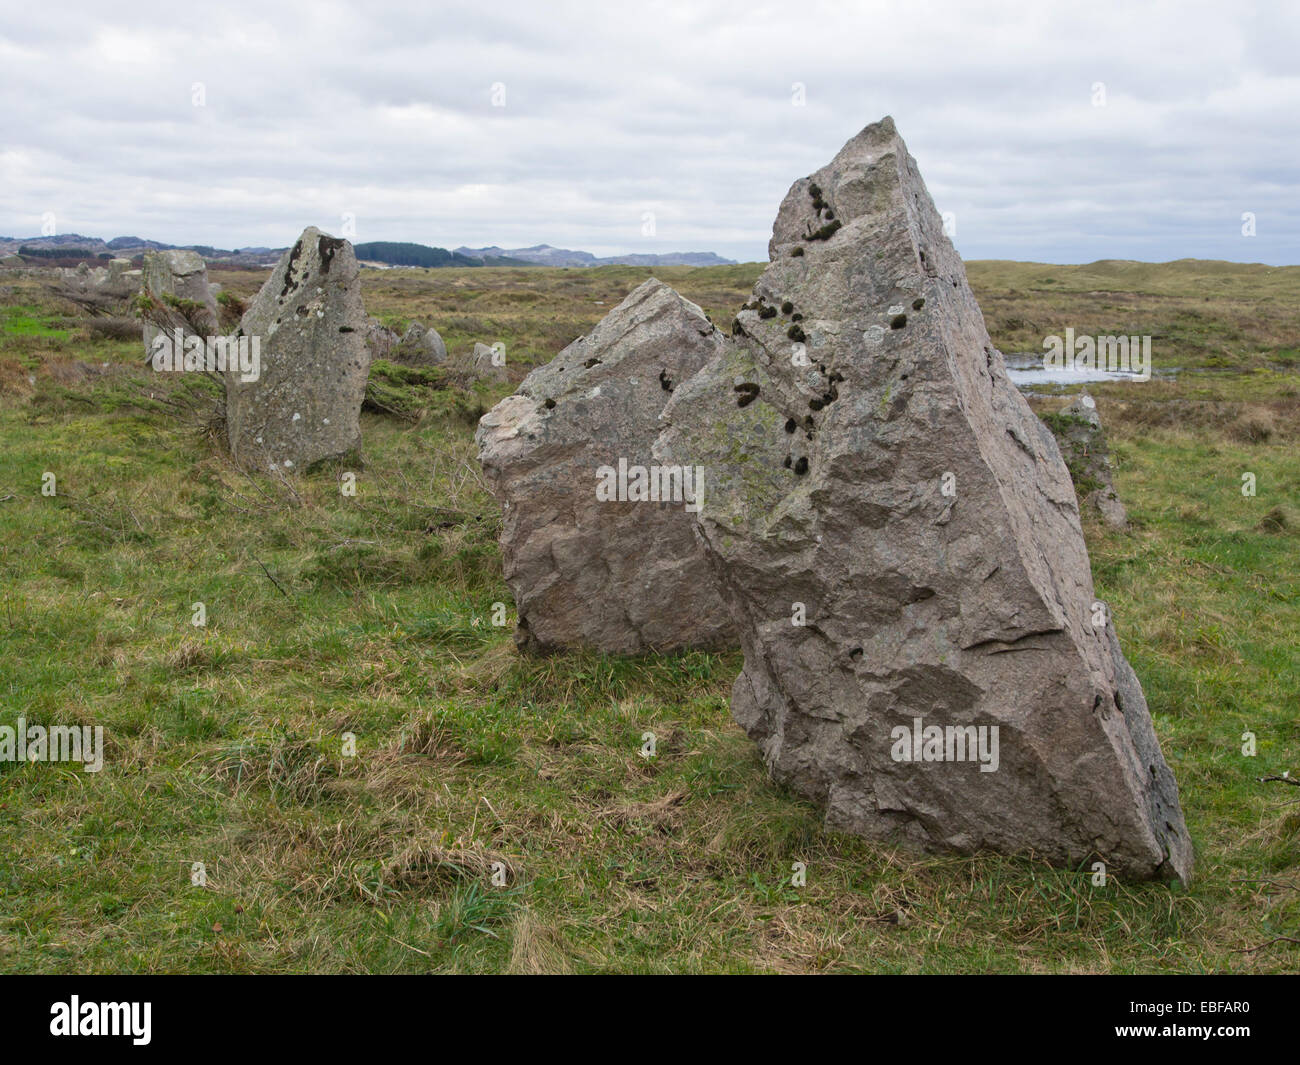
(305,404)
(621,575)
(900,543)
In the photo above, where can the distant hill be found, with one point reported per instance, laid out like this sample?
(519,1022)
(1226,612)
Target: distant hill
(386,252)
(136,243)
(546,255)
(68,244)
(401,253)
(71,244)
(67,252)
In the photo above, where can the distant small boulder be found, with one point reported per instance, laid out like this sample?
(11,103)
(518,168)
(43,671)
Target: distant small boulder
(1078,432)
(380,340)
(176,296)
(420,346)
(103,290)
(485,363)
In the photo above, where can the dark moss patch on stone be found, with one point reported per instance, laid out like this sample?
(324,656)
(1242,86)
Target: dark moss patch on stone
(825,232)
(328,247)
(294,253)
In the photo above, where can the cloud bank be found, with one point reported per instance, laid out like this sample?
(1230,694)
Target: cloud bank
(1059,133)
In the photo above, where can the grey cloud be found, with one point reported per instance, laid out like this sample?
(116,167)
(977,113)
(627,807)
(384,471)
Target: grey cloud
(684,109)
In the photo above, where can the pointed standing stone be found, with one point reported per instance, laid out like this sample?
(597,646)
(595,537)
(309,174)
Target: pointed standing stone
(874,474)
(305,405)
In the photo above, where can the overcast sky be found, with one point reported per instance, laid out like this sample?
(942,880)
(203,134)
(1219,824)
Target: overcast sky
(1058,133)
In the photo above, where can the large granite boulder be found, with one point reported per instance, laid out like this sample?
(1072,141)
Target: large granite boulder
(311,328)
(177,296)
(900,544)
(590,561)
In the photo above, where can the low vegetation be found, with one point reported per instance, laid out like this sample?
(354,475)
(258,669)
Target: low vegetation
(233,830)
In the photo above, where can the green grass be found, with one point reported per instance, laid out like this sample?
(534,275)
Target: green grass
(330,615)
(30,321)
(1198,313)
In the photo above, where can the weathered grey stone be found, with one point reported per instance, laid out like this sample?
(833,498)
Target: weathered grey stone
(1078,431)
(1084,408)
(420,346)
(380,340)
(485,366)
(102,290)
(898,496)
(305,406)
(620,576)
(176,283)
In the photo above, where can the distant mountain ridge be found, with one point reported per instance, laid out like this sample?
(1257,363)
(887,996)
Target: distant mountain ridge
(129,247)
(546,255)
(387,253)
(402,253)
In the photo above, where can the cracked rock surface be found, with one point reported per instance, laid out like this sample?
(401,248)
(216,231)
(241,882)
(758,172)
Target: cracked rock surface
(872,468)
(622,576)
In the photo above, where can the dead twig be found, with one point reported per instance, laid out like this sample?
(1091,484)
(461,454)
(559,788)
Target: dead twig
(1267,943)
(272,579)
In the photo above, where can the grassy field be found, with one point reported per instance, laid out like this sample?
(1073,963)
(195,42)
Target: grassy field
(372,615)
